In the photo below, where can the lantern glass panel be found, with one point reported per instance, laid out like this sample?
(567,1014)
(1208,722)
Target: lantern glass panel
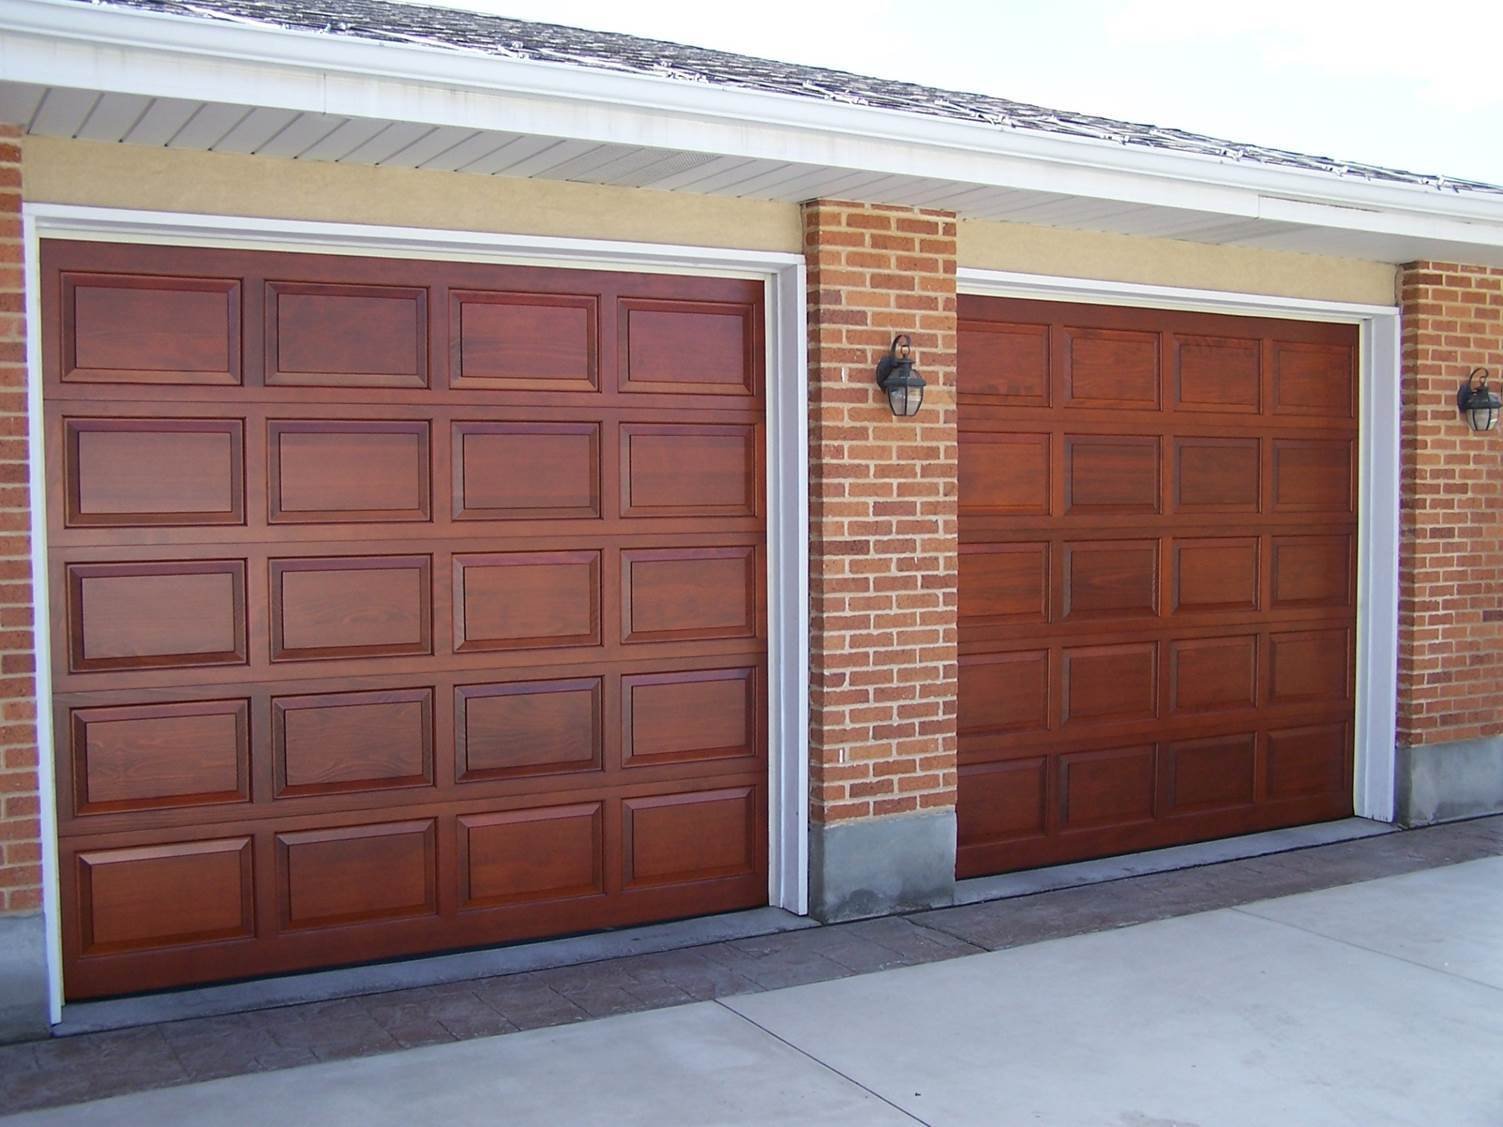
(904,399)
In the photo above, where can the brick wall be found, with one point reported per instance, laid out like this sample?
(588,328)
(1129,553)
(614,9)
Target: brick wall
(882,495)
(1451,552)
(20,804)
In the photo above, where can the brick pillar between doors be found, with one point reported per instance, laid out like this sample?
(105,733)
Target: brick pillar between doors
(23,965)
(883,552)
(1450,723)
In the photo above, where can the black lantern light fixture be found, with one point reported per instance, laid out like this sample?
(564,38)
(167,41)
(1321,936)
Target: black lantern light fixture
(896,376)
(1477,403)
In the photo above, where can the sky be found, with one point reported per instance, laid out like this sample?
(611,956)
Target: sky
(1409,85)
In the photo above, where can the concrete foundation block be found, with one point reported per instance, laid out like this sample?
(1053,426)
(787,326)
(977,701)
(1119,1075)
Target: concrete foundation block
(878,866)
(24,1013)
(1445,782)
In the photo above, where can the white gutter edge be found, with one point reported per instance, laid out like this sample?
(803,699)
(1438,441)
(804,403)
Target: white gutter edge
(66,43)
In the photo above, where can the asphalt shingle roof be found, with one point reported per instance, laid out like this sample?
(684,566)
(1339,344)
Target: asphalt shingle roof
(458,30)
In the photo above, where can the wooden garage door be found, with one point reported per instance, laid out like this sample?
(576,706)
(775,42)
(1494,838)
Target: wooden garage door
(397,606)
(1157,578)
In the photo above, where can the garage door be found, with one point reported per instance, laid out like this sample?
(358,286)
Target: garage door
(1157,578)
(397,606)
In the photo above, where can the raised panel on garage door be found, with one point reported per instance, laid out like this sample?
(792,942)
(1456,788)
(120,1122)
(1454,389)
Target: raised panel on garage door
(1157,578)
(138,757)
(164,895)
(156,615)
(126,472)
(526,470)
(521,341)
(330,471)
(144,329)
(400,606)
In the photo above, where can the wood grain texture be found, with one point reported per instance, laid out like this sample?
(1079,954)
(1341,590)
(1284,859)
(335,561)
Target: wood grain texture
(320,472)
(1157,577)
(134,472)
(153,755)
(119,327)
(426,612)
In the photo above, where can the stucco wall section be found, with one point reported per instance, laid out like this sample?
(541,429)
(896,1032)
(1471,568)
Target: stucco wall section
(156,179)
(1172,262)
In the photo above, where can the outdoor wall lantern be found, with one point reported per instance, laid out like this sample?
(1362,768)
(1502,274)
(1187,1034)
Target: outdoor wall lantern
(1479,405)
(895,376)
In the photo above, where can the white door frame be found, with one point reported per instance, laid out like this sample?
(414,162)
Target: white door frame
(1377,475)
(787,459)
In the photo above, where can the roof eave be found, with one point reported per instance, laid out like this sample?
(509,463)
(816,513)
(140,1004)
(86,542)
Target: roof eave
(64,43)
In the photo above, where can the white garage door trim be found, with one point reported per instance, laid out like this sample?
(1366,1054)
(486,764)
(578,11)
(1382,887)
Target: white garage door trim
(1378,481)
(787,463)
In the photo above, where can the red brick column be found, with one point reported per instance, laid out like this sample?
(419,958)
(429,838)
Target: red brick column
(1451,547)
(23,951)
(20,803)
(883,537)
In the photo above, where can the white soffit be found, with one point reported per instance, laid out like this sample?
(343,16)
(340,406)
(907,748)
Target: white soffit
(123,75)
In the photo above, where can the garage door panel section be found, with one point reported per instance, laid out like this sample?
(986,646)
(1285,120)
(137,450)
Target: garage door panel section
(1212,773)
(693,836)
(1003,802)
(1005,582)
(1111,787)
(1157,578)
(146,329)
(1111,368)
(1110,579)
(526,600)
(1005,693)
(357,873)
(134,472)
(164,895)
(134,616)
(689,347)
(1313,476)
(1313,379)
(348,607)
(400,606)
(528,855)
(692,715)
(334,742)
(1006,474)
(1308,761)
(726,478)
(1213,674)
(1220,374)
(1005,363)
(683,594)
(340,470)
(505,341)
(1215,574)
(519,470)
(1111,475)
(528,728)
(148,756)
(331,335)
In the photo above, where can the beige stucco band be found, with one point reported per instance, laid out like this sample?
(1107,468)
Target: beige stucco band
(158,179)
(1172,262)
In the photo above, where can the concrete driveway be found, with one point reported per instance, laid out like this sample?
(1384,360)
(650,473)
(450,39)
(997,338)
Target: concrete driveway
(1367,1004)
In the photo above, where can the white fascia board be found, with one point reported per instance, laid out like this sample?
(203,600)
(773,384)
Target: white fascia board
(65,43)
